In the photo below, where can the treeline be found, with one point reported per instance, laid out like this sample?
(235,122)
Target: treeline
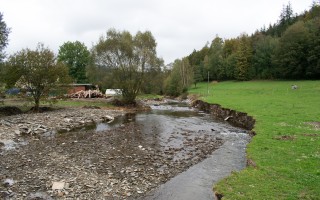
(288,49)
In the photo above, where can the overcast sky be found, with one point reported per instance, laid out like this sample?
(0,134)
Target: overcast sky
(179,26)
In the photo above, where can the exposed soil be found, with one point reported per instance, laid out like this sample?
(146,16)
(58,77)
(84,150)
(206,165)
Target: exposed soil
(311,135)
(285,137)
(315,125)
(9,110)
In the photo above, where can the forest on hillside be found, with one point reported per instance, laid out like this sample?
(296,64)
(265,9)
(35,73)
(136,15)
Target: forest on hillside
(287,49)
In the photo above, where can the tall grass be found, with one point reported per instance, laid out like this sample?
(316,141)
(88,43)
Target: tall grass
(286,149)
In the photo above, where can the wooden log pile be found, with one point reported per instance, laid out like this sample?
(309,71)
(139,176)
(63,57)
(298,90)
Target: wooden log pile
(86,94)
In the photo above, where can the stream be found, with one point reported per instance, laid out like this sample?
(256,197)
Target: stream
(171,152)
(197,181)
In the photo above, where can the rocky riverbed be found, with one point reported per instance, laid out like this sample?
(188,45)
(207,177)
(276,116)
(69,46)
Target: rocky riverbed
(35,124)
(120,163)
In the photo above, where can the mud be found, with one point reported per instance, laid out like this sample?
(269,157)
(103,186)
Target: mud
(126,159)
(9,110)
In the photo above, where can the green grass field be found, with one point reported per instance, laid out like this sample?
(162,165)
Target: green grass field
(286,149)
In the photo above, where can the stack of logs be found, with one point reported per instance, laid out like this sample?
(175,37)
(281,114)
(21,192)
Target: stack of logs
(86,94)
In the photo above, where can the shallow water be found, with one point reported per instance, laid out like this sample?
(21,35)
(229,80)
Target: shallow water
(166,125)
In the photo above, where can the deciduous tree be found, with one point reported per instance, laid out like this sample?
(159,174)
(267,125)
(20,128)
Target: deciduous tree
(244,55)
(215,59)
(154,79)
(37,71)
(76,57)
(264,51)
(128,57)
(197,75)
(291,56)
(229,53)
(173,85)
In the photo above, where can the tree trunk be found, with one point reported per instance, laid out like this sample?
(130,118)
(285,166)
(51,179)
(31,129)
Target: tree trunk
(36,104)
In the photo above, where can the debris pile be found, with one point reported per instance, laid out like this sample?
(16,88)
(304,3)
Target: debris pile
(87,94)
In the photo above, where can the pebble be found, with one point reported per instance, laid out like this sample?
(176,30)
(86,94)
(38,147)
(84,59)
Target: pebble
(39,123)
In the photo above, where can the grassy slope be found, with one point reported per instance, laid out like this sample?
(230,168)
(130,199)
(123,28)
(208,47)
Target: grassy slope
(286,169)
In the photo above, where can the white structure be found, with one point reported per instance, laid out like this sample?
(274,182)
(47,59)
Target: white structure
(113,92)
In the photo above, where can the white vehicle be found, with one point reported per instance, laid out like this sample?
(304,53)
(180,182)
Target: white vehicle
(113,92)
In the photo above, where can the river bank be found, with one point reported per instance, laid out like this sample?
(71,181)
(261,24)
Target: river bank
(124,162)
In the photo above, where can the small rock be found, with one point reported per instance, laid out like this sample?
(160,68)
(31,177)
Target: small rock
(68,120)
(58,185)
(8,182)
(129,194)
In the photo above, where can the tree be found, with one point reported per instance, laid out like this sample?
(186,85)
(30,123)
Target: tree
(154,78)
(76,57)
(128,57)
(206,67)
(4,33)
(215,59)
(173,85)
(264,51)
(37,71)
(291,56)
(229,54)
(287,18)
(180,78)
(244,55)
(186,72)
(313,68)
(314,11)
(197,77)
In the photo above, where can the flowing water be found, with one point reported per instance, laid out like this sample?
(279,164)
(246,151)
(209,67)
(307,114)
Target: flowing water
(165,125)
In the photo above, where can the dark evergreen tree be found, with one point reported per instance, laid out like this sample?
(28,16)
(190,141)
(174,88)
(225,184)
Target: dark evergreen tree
(4,33)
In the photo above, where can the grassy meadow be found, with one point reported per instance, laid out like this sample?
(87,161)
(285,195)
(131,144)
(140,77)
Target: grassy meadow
(286,149)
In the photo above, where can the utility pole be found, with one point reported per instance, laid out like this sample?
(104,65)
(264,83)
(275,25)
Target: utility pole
(208,85)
